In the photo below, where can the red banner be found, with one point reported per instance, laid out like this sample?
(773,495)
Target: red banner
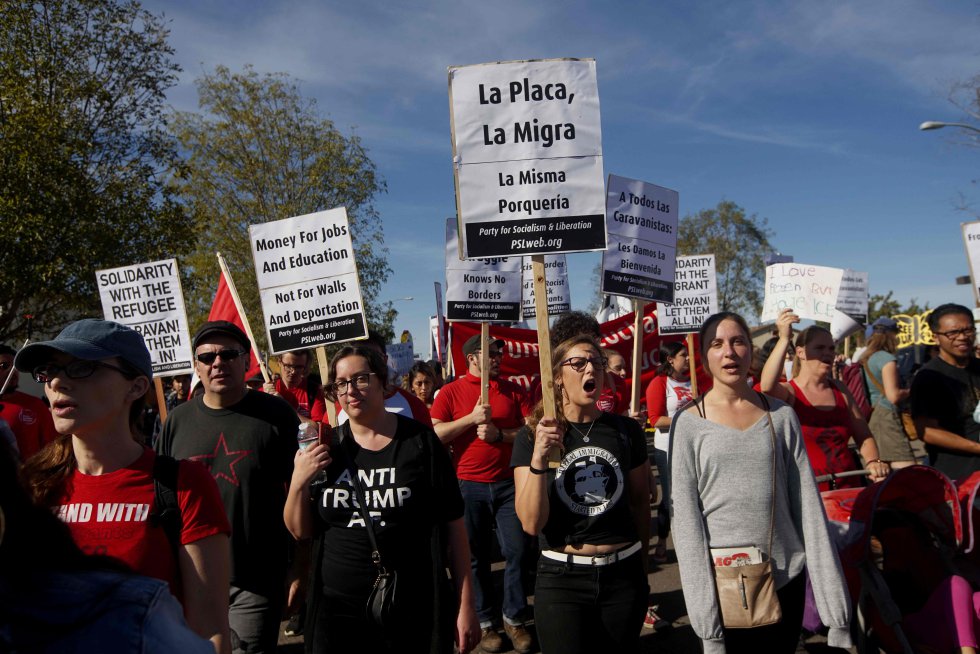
(520,362)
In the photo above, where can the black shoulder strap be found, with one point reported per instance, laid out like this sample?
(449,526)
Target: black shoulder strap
(166,511)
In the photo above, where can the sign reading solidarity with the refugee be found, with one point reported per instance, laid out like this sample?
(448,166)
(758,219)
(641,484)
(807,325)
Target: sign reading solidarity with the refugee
(486,290)
(810,291)
(148,298)
(642,220)
(853,296)
(527,153)
(307,280)
(559,296)
(971,240)
(695,296)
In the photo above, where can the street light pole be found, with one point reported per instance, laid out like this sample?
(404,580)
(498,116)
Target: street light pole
(935,124)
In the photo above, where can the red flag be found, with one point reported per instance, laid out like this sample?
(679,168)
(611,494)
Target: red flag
(223,308)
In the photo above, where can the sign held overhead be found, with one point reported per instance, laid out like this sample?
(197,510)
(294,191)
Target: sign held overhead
(307,281)
(527,153)
(695,296)
(486,290)
(147,297)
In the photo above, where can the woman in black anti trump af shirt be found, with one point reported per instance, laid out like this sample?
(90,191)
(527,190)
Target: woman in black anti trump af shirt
(410,486)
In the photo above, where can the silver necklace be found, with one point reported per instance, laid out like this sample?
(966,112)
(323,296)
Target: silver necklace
(585,436)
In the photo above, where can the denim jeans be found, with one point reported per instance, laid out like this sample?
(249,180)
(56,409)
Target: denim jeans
(487,504)
(588,609)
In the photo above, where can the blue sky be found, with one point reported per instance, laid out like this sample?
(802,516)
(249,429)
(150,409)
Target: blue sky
(804,113)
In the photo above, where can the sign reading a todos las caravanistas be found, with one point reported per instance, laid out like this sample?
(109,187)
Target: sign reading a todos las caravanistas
(527,153)
(307,280)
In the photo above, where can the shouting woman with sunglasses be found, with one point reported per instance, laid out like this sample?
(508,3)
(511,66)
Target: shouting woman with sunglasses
(382,495)
(99,479)
(592,513)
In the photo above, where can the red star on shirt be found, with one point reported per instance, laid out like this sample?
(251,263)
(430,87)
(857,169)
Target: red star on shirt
(228,459)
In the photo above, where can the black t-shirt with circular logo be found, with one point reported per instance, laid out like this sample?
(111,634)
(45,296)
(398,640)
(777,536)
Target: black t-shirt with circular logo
(401,501)
(588,494)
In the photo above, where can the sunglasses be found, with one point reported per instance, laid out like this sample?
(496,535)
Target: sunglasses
(207,358)
(578,363)
(77,369)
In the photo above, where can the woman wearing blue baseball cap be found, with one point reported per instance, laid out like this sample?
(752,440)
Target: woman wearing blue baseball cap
(98,477)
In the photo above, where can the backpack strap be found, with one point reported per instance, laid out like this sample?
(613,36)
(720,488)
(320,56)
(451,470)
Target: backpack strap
(166,511)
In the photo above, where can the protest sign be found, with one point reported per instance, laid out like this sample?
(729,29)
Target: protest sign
(853,296)
(971,240)
(488,290)
(440,333)
(401,357)
(307,280)
(147,297)
(527,153)
(810,291)
(695,296)
(642,220)
(559,294)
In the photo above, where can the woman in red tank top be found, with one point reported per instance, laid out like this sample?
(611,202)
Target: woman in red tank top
(828,413)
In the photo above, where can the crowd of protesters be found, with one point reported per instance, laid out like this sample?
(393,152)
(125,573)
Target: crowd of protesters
(252,500)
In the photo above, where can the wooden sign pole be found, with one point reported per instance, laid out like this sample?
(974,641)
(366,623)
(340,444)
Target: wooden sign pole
(241,312)
(161,400)
(484,363)
(639,306)
(544,347)
(691,366)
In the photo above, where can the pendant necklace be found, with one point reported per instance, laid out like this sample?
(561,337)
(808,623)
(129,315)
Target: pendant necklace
(585,436)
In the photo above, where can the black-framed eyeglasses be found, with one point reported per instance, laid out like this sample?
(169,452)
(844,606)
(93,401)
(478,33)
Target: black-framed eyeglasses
(289,366)
(578,363)
(360,382)
(956,333)
(77,369)
(207,358)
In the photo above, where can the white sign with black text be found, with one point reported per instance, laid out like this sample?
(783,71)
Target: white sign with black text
(695,296)
(810,291)
(483,290)
(853,296)
(556,279)
(527,153)
(642,220)
(971,240)
(307,279)
(147,297)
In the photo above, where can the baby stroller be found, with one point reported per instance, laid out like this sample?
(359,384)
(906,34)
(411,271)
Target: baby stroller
(901,532)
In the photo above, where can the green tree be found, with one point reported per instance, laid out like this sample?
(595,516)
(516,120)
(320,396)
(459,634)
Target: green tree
(259,152)
(739,243)
(84,157)
(887,306)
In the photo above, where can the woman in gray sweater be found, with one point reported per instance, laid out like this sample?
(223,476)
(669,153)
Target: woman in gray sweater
(722,493)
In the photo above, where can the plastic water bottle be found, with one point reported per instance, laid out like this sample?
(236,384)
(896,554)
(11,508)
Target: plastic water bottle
(307,435)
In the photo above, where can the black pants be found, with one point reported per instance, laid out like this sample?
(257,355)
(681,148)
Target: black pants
(588,609)
(783,636)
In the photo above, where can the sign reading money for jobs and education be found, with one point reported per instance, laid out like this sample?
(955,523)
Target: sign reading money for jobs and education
(307,280)
(971,240)
(148,298)
(527,154)
(810,291)
(642,220)
(853,296)
(695,296)
(483,290)
(556,280)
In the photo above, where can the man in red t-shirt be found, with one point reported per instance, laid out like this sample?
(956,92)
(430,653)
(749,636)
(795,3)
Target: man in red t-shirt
(292,386)
(29,418)
(481,436)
